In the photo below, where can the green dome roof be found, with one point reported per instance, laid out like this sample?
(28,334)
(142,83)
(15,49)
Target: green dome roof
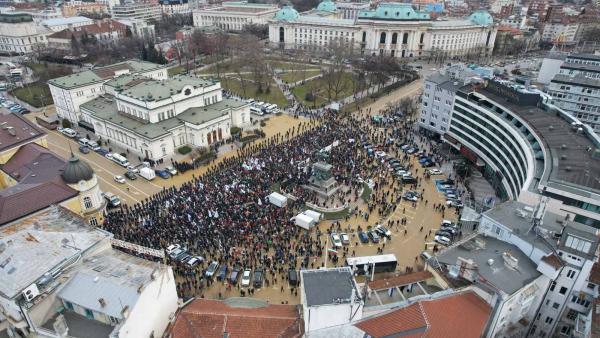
(327,6)
(394,11)
(481,18)
(287,13)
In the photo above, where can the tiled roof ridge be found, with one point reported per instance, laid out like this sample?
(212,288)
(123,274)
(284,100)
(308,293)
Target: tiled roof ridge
(244,315)
(424,314)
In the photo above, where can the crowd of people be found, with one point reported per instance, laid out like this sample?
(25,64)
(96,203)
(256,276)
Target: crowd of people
(224,215)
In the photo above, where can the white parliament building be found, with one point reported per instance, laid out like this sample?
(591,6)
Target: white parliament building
(147,113)
(394,29)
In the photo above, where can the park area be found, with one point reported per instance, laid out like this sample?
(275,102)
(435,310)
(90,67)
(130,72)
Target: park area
(36,94)
(321,91)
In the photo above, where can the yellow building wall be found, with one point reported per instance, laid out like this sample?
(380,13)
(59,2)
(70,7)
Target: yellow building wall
(6,155)
(74,205)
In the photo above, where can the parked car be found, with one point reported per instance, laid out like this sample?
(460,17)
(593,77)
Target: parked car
(222,273)
(258,278)
(69,132)
(113,200)
(373,236)
(101,151)
(455,203)
(234,276)
(131,175)
(162,174)
(84,150)
(246,277)
(408,180)
(443,233)
(193,261)
(119,179)
(172,171)
(443,240)
(362,236)
(345,238)
(410,197)
(293,277)
(435,171)
(212,268)
(383,231)
(171,248)
(335,240)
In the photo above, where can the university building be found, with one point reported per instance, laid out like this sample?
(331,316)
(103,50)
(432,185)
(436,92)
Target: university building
(394,29)
(234,15)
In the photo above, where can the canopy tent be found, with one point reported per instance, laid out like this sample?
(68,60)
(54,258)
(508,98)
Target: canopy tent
(277,199)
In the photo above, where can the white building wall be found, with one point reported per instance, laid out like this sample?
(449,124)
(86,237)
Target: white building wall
(154,309)
(22,38)
(319,317)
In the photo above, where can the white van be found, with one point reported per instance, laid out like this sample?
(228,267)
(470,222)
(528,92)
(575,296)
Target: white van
(69,132)
(122,161)
(256,111)
(84,142)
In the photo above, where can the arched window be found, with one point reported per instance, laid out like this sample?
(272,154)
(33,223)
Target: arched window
(405,39)
(487,41)
(364,37)
(394,38)
(422,38)
(281,34)
(382,38)
(87,202)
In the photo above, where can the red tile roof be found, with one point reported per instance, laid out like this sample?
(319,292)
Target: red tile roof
(23,131)
(457,316)
(99,27)
(400,280)
(212,318)
(553,261)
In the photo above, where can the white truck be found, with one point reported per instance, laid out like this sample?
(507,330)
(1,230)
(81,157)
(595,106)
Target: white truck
(147,173)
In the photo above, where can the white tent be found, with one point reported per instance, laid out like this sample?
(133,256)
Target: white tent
(304,221)
(316,216)
(277,199)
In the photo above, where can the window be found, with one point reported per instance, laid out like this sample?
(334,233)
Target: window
(571,274)
(555,305)
(87,202)
(549,320)
(89,313)
(69,305)
(565,330)
(93,222)
(563,290)
(572,315)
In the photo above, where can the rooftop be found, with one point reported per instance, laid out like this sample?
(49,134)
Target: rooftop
(401,280)
(15,130)
(237,317)
(112,276)
(104,73)
(39,243)
(331,286)
(572,164)
(483,249)
(95,28)
(462,315)
(155,90)
(15,17)
(393,12)
(66,21)
(105,108)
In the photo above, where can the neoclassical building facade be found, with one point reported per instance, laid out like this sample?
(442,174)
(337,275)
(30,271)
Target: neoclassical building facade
(393,29)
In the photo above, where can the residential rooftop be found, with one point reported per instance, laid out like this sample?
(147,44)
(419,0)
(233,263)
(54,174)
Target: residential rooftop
(16,130)
(102,74)
(330,286)
(237,317)
(462,315)
(105,108)
(573,162)
(113,276)
(35,245)
(66,21)
(483,250)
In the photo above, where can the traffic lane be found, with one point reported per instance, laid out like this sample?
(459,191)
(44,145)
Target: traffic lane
(132,191)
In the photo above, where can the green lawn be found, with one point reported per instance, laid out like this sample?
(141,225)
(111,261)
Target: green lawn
(319,89)
(225,67)
(291,65)
(37,68)
(274,96)
(295,76)
(176,70)
(36,94)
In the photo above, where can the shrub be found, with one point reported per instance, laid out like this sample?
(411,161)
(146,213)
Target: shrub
(235,130)
(184,150)
(66,123)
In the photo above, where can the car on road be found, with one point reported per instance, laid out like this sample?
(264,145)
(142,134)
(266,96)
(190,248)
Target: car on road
(172,171)
(443,240)
(133,169)
(101,151)
(435,171)
(113,200)
(162,174)
(363,237)
(84,150)
(373,236)
(212,268)
(246,277)
(193,261)
(345,238)
(383,231)
(455,203)
(108,155)
(24,111)
(69,132)
(119,179)
(131,175)
(335,240)
(258,278)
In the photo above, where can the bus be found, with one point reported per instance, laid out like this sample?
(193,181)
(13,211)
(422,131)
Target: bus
(122,161)
(362,265)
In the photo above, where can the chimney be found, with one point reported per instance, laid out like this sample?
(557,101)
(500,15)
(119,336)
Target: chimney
(102,302)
